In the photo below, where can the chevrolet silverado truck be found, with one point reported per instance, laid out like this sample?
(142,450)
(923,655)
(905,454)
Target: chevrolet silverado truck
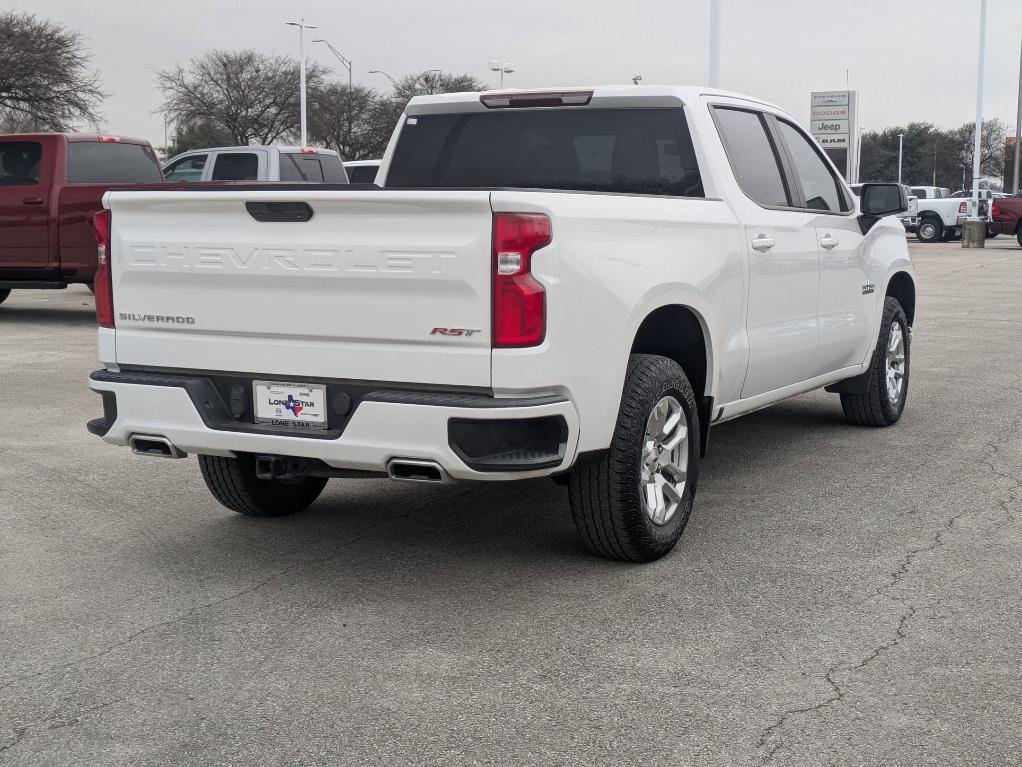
(50,186)
(576,283)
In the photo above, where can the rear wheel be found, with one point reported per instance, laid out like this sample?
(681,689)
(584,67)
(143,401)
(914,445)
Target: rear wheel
(4,294)
(1018,236)
(884,400)
(634,504)
(930,230)
(234,483)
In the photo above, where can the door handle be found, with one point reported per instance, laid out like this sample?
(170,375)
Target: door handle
(762,244)
(828,242)
(33,200)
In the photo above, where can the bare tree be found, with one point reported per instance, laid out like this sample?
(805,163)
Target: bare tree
(357,122)
(251,96)
(429,82)
(46,81)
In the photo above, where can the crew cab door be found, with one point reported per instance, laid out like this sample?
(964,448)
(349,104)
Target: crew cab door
(784,257)
(24,206)
(847,298)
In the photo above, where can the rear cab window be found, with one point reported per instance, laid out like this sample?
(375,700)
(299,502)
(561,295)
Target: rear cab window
(20,163)
(632,151)
(314,168)
(111,162)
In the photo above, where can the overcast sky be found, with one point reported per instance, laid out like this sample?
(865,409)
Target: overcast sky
(909,60)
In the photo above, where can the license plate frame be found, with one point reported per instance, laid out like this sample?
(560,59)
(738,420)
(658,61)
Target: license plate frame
(274,404)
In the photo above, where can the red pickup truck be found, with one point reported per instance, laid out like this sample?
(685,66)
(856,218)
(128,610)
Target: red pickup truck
(50,185)
(1007,216)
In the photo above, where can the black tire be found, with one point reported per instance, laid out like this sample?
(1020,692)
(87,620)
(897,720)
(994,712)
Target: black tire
(992,232)
(930,229)
(875,407)
(4,295)
(233,482)
(605,497)
(91,287)
(1018,236)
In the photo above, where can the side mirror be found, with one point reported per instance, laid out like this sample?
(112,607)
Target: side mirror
(883,200)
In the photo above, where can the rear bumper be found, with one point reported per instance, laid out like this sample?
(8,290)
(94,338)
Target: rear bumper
(531,436)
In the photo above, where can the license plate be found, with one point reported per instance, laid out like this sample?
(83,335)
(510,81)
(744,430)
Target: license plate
(297,406)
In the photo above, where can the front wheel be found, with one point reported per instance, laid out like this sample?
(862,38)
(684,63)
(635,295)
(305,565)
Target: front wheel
(234,483)
(884,399)
(930,230)
(635,502)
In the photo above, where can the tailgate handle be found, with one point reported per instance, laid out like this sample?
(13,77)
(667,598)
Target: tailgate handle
(279,211)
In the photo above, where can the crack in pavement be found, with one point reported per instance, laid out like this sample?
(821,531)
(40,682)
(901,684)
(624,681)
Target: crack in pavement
(838,693)
(223,600)
(73,718)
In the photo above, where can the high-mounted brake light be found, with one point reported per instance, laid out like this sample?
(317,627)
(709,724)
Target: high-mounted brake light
(108,139)
(519,300)
(309,151)
(538,99)
(102,282)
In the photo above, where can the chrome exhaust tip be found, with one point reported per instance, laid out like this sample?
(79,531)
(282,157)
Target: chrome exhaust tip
(415,470)
(154,445)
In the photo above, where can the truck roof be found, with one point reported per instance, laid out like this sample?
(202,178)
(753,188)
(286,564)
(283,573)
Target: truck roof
(113,138)
(603,96)
(250,147)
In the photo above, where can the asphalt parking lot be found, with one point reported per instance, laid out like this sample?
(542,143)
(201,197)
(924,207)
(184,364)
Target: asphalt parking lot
(843,595)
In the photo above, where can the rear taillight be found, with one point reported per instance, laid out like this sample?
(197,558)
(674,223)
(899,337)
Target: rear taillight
(963,207)
(102,283)
(519,300)
(995,209)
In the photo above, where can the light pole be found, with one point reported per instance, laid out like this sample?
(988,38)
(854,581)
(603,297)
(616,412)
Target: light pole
(1018,129)
(504,69)
(977,144)
(345,61)
(714,43)
(302,26)
(901,138)
(381,72)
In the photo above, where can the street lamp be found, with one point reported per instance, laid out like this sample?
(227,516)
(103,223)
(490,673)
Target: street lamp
(381,72)
(345,61)
(302,26)
(504,69)
(901,137)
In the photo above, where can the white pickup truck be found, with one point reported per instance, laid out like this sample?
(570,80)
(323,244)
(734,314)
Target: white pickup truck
(575,283)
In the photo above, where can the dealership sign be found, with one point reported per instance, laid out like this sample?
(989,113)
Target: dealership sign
(832,124)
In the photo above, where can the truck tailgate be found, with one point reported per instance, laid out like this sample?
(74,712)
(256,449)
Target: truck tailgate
(354,292)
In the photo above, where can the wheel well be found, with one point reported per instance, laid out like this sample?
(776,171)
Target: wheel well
(902,288)
(675,332)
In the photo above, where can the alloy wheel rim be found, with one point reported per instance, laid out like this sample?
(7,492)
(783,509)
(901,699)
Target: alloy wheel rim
(895,366)
(664,465)
(928,230)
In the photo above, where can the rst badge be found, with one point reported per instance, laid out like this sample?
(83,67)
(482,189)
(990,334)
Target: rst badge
(463,332)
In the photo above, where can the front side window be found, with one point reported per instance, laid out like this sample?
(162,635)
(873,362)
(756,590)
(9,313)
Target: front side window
(236,166)
(19,162)
(635,151)
(111,162)
(753,157)
(187,168)
(821,189)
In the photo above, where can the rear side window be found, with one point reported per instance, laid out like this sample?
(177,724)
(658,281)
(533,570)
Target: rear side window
(363,174)
(752,155)
(187,168)
(319,169)
(820,188)
(637,151)
(236,166)
(19,162)
(108,162)
(919,192)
